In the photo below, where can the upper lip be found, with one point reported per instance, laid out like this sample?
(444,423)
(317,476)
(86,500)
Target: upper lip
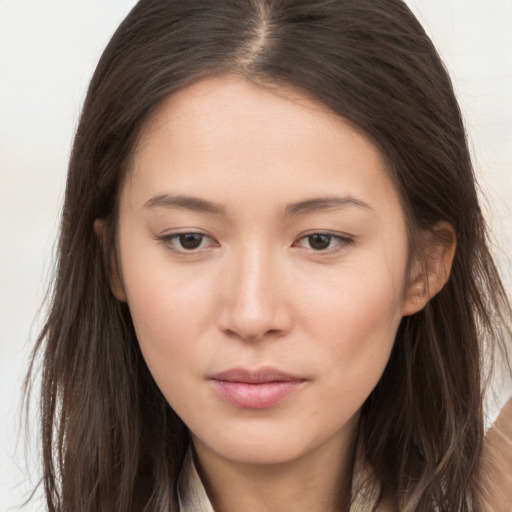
(259,376)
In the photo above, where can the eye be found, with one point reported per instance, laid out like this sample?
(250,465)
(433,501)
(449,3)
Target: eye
(323,242)
(190,241)
(187,242)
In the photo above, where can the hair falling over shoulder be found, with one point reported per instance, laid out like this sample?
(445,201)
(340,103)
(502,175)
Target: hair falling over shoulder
(110,441)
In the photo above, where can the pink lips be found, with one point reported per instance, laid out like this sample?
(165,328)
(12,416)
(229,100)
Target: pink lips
(260,389)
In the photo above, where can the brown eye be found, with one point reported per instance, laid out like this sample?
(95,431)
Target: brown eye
(319,242)
(190,241)
(324,243)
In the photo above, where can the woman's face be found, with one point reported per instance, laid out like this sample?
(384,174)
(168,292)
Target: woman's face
(262,253)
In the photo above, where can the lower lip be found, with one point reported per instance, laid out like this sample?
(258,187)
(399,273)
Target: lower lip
(255,396)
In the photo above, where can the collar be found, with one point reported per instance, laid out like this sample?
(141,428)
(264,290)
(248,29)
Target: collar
(192,495)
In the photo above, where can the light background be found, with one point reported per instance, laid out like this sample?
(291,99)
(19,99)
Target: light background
(48,51)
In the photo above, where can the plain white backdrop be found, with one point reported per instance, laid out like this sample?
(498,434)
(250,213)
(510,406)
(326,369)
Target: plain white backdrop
(48,50)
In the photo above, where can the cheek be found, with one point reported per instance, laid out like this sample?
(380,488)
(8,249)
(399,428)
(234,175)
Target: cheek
(169,308)
(169,327)
(355,320)
(359,301)
(161,310)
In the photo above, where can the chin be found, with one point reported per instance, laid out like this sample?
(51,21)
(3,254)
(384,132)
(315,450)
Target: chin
(266,445)
(259,453)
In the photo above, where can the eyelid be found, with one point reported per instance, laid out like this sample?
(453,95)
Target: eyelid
(344,240)
(168,238)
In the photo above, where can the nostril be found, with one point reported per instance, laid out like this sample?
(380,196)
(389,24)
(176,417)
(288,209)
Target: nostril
(237,334)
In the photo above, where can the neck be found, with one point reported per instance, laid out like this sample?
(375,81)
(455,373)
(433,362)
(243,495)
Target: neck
(317,481)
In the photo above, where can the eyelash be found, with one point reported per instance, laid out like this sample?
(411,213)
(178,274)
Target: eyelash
(169,240)
(341,242)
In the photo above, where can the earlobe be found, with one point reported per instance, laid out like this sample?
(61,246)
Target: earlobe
(115,278)
(432,268)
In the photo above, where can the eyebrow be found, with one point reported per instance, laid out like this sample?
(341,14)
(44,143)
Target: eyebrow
(324,203)
(312,205)
(185,202)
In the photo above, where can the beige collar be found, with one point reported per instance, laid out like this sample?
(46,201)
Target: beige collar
(191,492)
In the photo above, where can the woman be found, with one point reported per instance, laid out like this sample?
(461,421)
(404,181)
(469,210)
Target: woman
(274,289)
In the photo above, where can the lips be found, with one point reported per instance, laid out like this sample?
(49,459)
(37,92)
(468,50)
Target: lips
(259,389)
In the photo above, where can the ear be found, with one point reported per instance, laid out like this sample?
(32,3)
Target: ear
(115,277)
(431,269)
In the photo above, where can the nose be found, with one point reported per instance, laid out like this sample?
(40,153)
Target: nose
(254,298)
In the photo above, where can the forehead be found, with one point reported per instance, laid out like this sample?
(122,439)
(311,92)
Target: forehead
(232,138)
(231,106)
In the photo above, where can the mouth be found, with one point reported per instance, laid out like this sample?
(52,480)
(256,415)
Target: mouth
(260,389)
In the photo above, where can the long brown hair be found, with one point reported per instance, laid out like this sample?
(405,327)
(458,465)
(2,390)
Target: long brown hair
(110,441)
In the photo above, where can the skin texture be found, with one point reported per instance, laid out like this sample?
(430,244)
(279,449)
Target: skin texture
(255,292)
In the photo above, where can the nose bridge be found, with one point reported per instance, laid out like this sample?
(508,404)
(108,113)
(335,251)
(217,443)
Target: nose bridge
(252,305)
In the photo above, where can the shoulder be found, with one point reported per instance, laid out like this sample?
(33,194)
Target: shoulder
(497,463)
